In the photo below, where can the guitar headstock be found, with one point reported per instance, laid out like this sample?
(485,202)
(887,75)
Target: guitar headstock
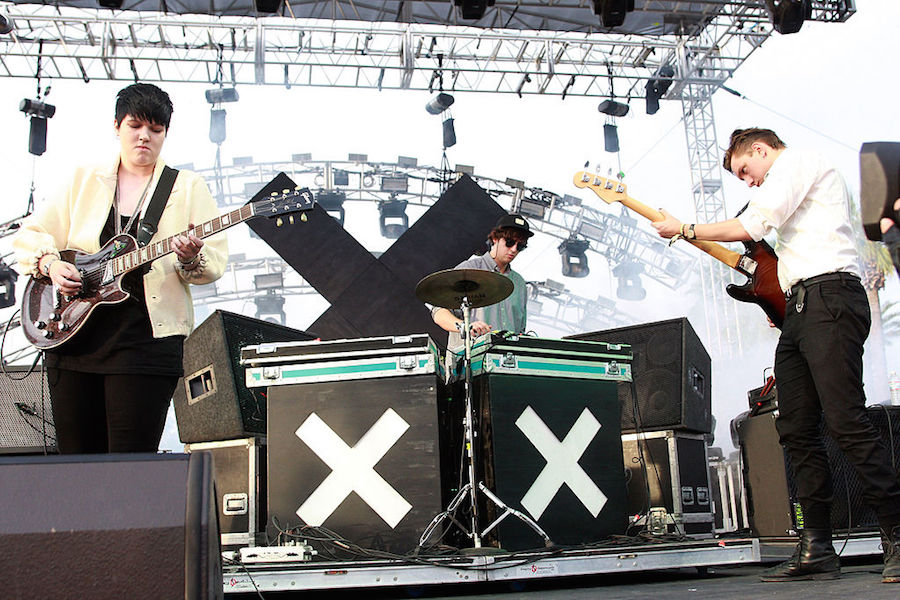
(284,203)
(609,190)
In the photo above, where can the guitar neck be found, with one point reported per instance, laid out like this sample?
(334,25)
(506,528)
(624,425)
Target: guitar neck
(717,251)
(141,256)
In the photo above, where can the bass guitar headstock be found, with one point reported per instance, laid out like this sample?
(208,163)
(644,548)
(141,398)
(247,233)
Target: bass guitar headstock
(609,190)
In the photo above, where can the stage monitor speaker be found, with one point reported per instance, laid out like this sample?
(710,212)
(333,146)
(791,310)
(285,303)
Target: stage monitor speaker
(109,526)
(879,170)
(26,419)
(770,484)
(672,375)
(211,401)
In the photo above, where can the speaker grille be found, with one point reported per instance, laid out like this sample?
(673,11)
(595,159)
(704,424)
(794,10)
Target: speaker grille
(671,375)
(26,419)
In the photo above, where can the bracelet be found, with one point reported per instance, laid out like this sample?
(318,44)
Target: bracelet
(193,261)
(691,234)
(46,270)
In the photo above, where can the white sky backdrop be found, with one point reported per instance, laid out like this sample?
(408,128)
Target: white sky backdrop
(831,87)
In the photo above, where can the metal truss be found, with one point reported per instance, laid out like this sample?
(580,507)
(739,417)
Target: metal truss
(542,48)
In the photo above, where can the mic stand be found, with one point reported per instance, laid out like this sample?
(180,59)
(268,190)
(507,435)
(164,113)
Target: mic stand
(470,489)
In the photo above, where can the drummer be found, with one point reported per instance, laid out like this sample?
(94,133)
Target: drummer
(508,238)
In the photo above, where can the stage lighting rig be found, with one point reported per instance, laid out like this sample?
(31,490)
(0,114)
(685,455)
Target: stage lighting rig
(612,12)
(628,274)
(788,15)
(439,103)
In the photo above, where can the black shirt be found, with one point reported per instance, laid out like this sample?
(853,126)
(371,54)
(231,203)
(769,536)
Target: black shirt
(118,338)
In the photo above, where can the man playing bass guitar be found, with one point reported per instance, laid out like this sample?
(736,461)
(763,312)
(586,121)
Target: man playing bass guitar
(818,360)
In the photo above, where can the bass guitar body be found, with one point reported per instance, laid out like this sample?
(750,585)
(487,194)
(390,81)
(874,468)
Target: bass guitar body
(49,318)
(762,286)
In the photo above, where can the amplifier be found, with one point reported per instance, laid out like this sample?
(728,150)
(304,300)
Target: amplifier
(764,398)
(26,418)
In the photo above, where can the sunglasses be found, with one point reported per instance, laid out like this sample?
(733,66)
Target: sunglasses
(510,242)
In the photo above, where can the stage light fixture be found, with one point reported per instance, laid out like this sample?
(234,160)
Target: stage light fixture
(217,130)
(113,4)
(393,220)
(612,12)
(267,6)
(36,108)
(341,177)
(333,203)
(472,10)
(574,259)
(628,274)
(657,87)
(610,138)
(788,15)
(407,161)
(439,104)
(269,281)
(301,158)
(613,108)
(6,24)
(270,307)
(395,183)
(220,95)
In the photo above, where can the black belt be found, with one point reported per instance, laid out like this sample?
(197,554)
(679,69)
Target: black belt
(799,288)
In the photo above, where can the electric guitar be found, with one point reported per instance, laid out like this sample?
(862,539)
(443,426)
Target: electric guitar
(49,318)
(759,263)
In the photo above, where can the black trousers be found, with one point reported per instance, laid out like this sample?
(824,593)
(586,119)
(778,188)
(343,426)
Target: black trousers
(96,413)
(819,368)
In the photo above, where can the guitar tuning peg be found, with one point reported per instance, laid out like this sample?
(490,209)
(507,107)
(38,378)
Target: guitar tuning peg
(291,219)
(285,191)
(279,222)
(587,163)
(303,217)
(273,194)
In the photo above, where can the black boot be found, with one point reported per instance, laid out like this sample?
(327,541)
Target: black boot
(814,558)
(890,544)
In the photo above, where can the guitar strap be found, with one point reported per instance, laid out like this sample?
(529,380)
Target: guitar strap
(148,224)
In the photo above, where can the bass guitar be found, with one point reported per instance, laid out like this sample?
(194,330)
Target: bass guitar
(758,263)
(49,318)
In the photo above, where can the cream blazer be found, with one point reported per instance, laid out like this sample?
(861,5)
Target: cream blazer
(74,218)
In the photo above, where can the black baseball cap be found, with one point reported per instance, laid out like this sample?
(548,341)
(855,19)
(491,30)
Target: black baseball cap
(515,221)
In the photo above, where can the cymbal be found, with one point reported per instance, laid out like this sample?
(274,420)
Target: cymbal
(448,288)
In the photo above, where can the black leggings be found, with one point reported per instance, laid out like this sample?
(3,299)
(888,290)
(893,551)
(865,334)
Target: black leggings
(108,413)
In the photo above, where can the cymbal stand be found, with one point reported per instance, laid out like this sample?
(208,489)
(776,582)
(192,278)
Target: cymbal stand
(470,489)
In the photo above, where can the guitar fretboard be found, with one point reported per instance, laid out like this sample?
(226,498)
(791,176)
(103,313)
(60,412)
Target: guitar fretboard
(150,252)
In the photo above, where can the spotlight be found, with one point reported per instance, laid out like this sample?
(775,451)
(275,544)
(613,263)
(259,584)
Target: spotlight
(612,12)
(449,133)
(219,95)
(341,177)
(439,103)
(629,288)
(332,203)
(613,108)
(610,138)
(270,307)
(658,86)
(788,15)
(392,218)
(268,281)
(472,10)
(267,6)
(36,108)
(6,24)
(395,183)
(574,259)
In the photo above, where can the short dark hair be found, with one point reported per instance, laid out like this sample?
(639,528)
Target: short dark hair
(742,139)
(144,101)
(497,233)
